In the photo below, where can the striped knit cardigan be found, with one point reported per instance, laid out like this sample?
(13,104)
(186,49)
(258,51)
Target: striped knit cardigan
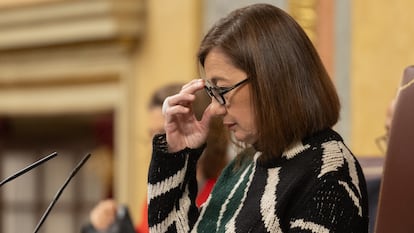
(316,186)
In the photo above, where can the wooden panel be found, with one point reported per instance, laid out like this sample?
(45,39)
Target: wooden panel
(396,204)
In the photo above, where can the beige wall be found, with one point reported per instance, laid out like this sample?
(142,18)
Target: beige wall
(382,46)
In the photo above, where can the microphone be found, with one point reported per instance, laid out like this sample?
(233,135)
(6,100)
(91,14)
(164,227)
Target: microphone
(28,168)
(60,191)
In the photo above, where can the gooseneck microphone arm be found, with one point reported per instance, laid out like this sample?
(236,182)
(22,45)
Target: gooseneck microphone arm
(28,168)
(60,191)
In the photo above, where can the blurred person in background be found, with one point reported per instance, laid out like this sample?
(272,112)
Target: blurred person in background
(211,163)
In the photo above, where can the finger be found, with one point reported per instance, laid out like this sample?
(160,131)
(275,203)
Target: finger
(193,86)
(183,99)
(189,83)
(177,109)
(165,106)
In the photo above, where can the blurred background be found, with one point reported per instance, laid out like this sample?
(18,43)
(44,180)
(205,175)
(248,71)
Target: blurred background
(76,77)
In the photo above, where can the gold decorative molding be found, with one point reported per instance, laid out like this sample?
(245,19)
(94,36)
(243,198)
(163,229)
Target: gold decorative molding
(67,22)
(13,3)
(59,66)
(66,99)
(73,57)
(317,19)
(305,13)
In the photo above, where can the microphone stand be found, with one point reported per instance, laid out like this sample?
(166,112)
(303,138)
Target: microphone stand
(28,168)
(60,191)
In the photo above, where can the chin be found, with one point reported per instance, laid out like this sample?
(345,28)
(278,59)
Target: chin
(243,137)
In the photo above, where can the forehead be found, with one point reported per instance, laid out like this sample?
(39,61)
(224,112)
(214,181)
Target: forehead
(218,66)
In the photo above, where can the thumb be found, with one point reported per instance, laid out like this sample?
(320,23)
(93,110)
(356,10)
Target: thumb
(207,115)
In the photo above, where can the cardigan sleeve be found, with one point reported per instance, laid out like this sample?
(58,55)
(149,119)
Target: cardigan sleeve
(331,205)
(172,188)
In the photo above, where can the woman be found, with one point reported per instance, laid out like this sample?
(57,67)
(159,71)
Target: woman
(270,87)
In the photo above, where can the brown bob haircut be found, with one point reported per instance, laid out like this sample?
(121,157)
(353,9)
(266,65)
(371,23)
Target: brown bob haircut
(292,94)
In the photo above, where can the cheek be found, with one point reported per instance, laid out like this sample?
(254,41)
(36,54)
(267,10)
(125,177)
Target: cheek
(249,122)
(243,110)
(246,120)
(247,131)
(250,125)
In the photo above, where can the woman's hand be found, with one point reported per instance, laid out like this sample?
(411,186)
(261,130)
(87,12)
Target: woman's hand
(181,126)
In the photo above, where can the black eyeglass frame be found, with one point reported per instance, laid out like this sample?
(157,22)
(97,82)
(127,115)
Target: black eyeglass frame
(219,92)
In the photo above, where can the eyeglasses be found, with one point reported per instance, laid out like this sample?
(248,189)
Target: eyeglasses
(218,92)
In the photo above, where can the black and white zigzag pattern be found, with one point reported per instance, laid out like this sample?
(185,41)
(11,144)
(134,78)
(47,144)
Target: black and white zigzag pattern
(316,186)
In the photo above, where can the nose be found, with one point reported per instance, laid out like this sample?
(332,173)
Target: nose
(217,109)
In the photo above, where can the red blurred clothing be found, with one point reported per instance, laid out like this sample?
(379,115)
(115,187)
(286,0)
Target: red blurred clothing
(142,226)
(202,196)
